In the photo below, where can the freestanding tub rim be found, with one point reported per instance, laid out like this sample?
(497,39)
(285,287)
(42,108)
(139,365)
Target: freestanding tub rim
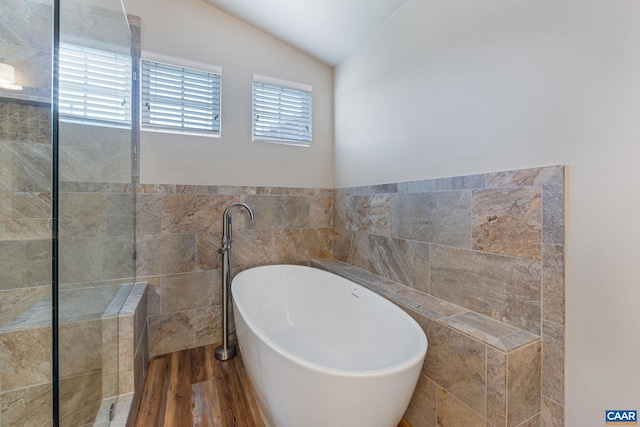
(390,370)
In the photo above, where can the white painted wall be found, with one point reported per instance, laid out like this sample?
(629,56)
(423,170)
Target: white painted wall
(196,31)
(455,87)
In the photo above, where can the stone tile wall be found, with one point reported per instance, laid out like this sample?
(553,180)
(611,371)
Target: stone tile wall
(179,230)
(492,244)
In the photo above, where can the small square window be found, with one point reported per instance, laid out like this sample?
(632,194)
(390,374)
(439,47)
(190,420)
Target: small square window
(180,99)
(281,111)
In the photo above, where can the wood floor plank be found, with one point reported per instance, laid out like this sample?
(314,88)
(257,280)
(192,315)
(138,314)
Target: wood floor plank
(191,388)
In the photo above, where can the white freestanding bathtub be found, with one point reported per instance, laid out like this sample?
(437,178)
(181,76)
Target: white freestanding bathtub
(322,351)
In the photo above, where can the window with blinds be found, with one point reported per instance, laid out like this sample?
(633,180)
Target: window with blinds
(180,99)
(281,111)
(95,86)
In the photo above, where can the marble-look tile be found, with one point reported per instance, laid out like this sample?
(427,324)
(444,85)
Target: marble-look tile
(523,384)
(25,263)
(153,294)
(80,398)
(301,245)
(109,351)
(421,186)
(551,175)
(552,414)
(489,331)
(120,214)
(25,358)
(451,412)
(508,221)
(400,260)
(503,288)
(553,361)
(423,304)
(171,332)
(30,406)
(126,353)
(321,208)
(116,156)
(369,214)
(26,23)
(209,325)
(31,167)
(553,283)
(340,212)
(25,205)
(148,214)
(278,212)
(351,247)
(80,260)
(193,213)
(188,291)
(455,362)
(552,215)
(141,362)
(251,248)
(496,387)
(117,257)
(80,347)
(468,182)
(422,408)
(439,217)
(25,229)
(14,302)
(80,164)
(207,245)
(196,189)
(533,421)
(166,254)
(155,189)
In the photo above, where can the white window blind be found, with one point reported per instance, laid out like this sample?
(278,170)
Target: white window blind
(180,99)
(281,111)
(95,86)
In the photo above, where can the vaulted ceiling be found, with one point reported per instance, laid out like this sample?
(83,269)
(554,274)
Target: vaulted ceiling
(324,29)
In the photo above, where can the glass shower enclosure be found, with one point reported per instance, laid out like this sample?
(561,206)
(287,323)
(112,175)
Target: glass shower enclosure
(67,212)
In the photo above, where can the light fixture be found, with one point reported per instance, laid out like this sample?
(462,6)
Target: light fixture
(8,77)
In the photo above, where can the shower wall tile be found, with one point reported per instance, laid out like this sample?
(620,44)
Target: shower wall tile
(400,260)
(148,214)
(120,214)
(30,406)
(80,349)
(80,260)
(83,215)
(437,217)
(25,358)
(117,257)
(188,213)
(249,248)
(80,398)
(25,263)
(508,221)
(301,245)
(321,209)
(496,387)
(504,288)
(30,167)
(14,302)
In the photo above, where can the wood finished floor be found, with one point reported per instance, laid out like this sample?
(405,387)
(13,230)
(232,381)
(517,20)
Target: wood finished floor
(191,389)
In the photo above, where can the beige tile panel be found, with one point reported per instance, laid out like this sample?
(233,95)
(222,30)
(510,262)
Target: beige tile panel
(80,347)
(148,214)
(251,248)
(278,211)
(166,254)
(503,288)
(301,245)
(553,361)
(523,384)
(403,261)
(207,245)
(552,414)
(369,214)
(171,332)
(25,263)
(496,387)
(80,398)
(25,358)
(188,291)
(83,215)
(552,175)
(422,408)
(451,412)
(209,325)
(455,362)
(30,406)
(193,213)
(351,247)
(321,208)
(508,221)
(14,302)
(553,283)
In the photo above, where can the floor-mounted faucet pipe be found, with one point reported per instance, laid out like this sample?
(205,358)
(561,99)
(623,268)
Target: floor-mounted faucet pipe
(227,350)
